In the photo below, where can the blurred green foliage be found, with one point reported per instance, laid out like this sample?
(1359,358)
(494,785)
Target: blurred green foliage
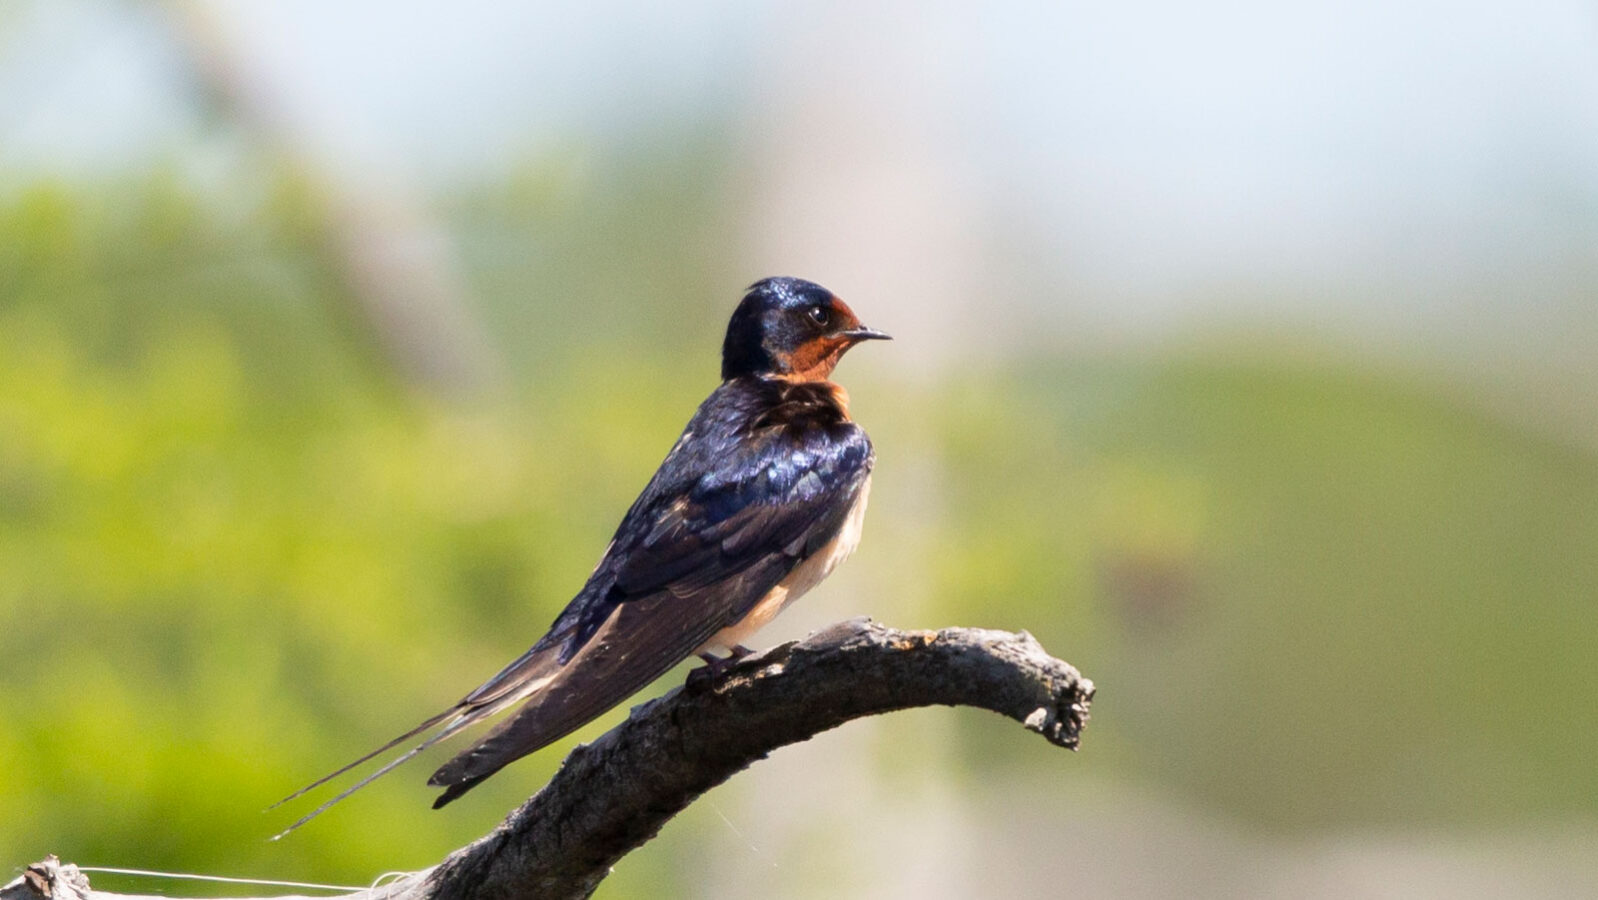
(233,550)
(234,553)
(1311,597)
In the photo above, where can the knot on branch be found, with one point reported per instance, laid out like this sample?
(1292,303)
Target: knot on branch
(48,879)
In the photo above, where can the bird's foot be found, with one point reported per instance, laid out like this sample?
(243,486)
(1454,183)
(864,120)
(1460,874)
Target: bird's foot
(715,667)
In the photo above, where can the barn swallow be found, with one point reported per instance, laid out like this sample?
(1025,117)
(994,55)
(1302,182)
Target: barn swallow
(761,498)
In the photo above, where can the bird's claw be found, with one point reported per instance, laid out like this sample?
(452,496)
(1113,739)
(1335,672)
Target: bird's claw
(715,668)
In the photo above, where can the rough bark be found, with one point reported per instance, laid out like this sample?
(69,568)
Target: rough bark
(611,796)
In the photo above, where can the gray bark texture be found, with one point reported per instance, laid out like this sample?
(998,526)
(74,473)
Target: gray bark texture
(611,796)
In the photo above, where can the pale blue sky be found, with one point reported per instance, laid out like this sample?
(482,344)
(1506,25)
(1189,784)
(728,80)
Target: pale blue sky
(1392,153)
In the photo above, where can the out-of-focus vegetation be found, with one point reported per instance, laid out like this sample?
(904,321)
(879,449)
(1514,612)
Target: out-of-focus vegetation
(234,552)
(233,549)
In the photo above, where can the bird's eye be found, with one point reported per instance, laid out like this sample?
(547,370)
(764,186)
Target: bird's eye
(820,315)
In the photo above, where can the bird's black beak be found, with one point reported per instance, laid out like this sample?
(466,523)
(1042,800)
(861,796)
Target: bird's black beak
(866,334)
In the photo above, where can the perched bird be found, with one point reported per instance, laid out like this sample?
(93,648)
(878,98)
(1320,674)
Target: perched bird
(761,497)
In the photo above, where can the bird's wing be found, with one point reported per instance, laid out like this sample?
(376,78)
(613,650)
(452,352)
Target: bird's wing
(686,561)
(681,568)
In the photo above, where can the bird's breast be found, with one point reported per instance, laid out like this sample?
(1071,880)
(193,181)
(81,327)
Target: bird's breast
(809,573)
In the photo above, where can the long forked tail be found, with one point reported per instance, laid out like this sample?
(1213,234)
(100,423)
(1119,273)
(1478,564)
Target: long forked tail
(512,684)
(463,716)
(434,720)
(637,644)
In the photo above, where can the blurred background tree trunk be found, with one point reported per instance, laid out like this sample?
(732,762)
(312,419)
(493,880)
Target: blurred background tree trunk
(407,298)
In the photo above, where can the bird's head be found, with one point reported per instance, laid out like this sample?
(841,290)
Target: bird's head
(791,329)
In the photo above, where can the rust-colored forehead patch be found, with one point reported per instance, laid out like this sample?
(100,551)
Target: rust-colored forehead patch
(842,310)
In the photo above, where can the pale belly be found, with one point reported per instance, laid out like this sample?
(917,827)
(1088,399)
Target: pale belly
(804,576)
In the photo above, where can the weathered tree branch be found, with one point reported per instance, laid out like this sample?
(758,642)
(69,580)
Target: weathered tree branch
(611,796)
